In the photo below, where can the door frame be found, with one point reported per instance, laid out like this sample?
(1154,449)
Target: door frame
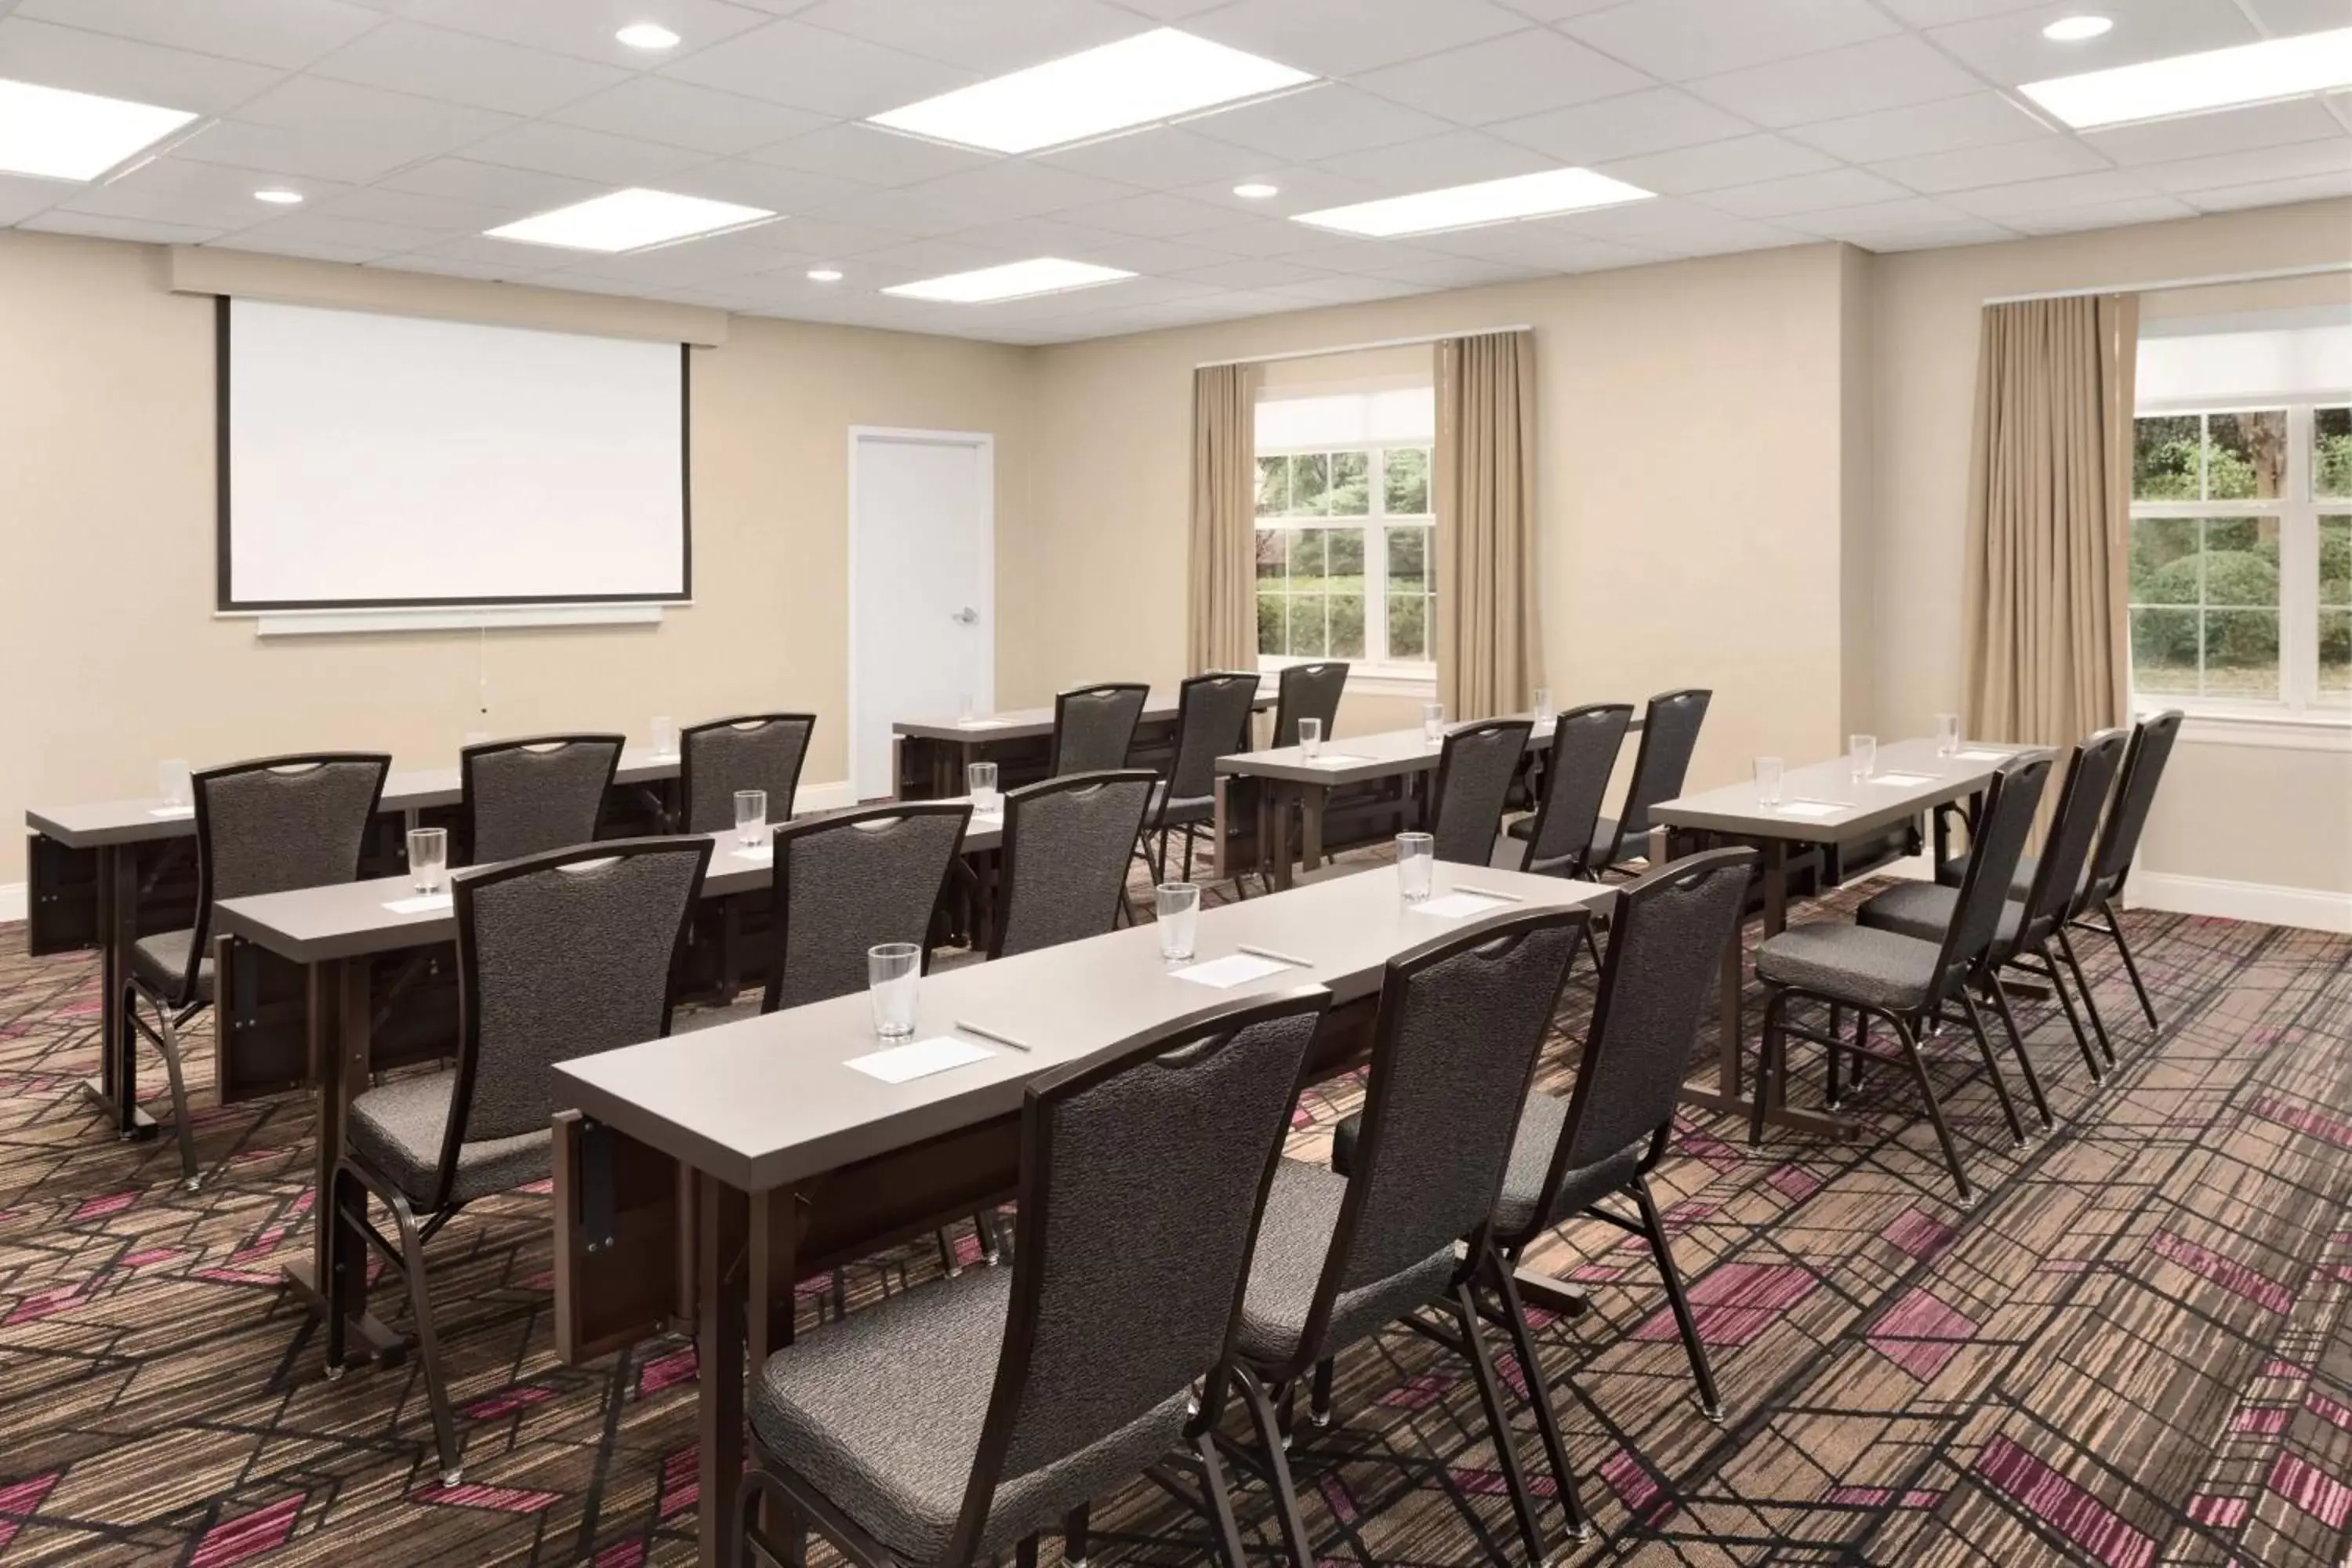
(984,444)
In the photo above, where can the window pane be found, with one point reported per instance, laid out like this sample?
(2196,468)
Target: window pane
(2164,652)
(2242,653)
(2241,561)
(1311,483)
(1270,637)
(2331,452)
(2336,658)
(2164,561)
(1408,481)
(2336,560)
(1351,484)
(1273,550)
(1306,557)
(2164,458)
(1408,548)
(1307,632)
(1407,618)
(2245,456)
(1348,623)
(1273,486)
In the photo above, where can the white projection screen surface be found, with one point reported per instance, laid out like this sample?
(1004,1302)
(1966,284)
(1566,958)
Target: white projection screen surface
(374,460)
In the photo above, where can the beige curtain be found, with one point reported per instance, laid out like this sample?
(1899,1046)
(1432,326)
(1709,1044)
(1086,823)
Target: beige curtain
(1487,646)
(2047,657)
(1220,602)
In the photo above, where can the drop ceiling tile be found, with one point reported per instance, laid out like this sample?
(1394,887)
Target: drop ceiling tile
(336,131)
(1457,158)
(760,186)
(2301,160)
(354,234)
(1937,238)
(1260,236)
(907,211)
(2274,192)
(919,259)
(1503,79)
(2102,214)
(1547,245)
(2005,202)
(288,34)
(990,39)
(1342,37)
(1432,271)
(451,266)
(819,236)
(1683,228)
(2284,18)
(219,214)
(143,231)
(1319,122)
(1805,193)
(2228,130)
(309,249)
(22,196)
(1679,39)
(609,161)
(1299,188)
(2008,48)
(1051,237)
(1908,214)
(1970,167)
(1317,291)
(871,156)
(1938,12)
(1856,79)
(121,67)
(689,263)
(457,67)
(508,257)
(1168,10)
(679,114)
(791,63)
(518,192)
(1719,165)
(379,204)
(173,175)
(1253,272)
(1016,187)
(1357,257)
(1157,216)
(1164,159)
(583,29)
(1976,119)
(1648,122)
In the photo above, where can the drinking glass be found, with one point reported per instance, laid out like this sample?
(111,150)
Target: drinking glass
(1416,864)
(893,971)
(964,708)
(1864,751)
(1180,916)
(1948,735)
(665,737)
(1311,738)
(428,858)
(1544,714)
(980,783)
(1768,781)
(177,786)
(1432,722)
(750,818)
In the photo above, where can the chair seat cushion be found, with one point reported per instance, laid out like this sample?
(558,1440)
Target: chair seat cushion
(882,1411)
(398,1128)
(1856,963)
(1302,1213)
(160,962)
(1532,1153)
(1924,911)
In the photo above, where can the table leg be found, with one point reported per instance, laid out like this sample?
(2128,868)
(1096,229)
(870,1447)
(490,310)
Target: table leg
(1311,801)
(1279,853)
(115,1090)
(331,1279)
(719,1231)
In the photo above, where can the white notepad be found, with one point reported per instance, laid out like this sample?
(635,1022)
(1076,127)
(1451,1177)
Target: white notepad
(1981,756)
(169,811)
(982,724)
(902,1064)
(1234,969)
(1335,759)
(1452,905)
(422,904)
(763,857)
(1811,809)
(1901,780)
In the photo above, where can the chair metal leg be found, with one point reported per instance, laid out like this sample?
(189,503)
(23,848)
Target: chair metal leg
(167,1046)
(1910,1045)
(1189,842)
(1220,1499)
(1025,1555)
(1771,1064)
(1992,1067)
(1593,946)
(1523,1346)
(1318,1397)
(428,1344)
(2115,929)
(2017,1048)
(1654,1224)
(2074,1020)
(1074,1536)
(1286,1498)
(1490,1394)
(2089,1002)
(992,1236)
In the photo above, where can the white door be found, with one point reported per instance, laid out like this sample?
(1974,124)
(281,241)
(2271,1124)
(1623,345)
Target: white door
(922,576)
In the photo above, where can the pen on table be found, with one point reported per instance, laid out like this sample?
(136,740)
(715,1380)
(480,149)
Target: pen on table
(1277,957)
(1488,893)
(1002,1039)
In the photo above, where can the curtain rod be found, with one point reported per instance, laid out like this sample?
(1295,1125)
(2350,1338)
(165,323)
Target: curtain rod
(1360,348)
(2316,269)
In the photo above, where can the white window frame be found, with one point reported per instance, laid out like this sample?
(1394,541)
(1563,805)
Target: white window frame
(1376,670)
(2297,510)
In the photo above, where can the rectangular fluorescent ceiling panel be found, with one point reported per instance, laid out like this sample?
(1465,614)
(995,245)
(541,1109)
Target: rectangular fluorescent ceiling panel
(1488,201)
(2190,84)
(630,220)
(1013,280)
(1147,79)
(62,135)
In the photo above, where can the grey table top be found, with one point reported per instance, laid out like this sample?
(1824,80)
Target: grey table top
(770,1100)
(1823,801)
(1027,723)
(1359,759)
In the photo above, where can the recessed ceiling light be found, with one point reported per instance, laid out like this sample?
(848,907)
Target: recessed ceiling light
(630,220)
(2074,29)
(62,135)
(278,198)
(647,36)
(824,275)
(1148,80)
(1013,280)
(2191,84)
(1256,191)
(1489,201)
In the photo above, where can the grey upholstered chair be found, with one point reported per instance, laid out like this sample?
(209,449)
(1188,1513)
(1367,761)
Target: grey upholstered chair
(1670,726)
(527,796)
(559,955)
(1341,1256)
(1094,726)
(1474,771)
(1905,980)
(2029,925)
(1066,845)
(264,826)
(967,1416)
(1307,691)
(1584,746)
(761,751)
(1213,720)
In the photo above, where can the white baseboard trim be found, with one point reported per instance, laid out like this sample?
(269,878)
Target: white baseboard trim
(2314,908)
(13,903)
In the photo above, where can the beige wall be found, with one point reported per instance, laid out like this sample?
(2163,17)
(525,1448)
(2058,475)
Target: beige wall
(114,658)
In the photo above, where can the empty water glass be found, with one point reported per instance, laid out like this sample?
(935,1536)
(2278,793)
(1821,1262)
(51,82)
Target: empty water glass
(1180,916)
(1432,722)
(1863,750)
(1544,714)
(1416,865)
(428,858)
(665,737)
(893,971)
(963,708)
(1311,738)
(980,782)
(1948,735)
(177,786)
(1768,781)
(751,817)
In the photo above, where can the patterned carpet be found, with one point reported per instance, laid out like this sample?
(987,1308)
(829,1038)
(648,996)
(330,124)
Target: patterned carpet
(2137,1350)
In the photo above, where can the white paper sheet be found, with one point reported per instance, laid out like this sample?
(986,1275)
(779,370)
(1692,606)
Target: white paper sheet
(1981,756)
(171,811)
(759,856)
(422,904)
(903,1064)
(1901,780)
(1451,906)
(1235,969)
(1812,810)
(982,724)
(1335,759)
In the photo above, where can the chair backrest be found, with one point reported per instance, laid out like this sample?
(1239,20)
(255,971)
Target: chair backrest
(1460,1019)
(527,796)
(1094,726)
(1144,1170)
(1213,719)
(1307,691)
(2152,747)
(1669,735)
(847,883)
(1584,746)
(1474,780)
(2065,860)
(1666,936)
(1066,844)
(560,956)
(761,751)
(2004,824)
(276,823)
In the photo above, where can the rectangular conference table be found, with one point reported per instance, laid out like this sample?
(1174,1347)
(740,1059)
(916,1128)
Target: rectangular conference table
(927,756)
(1823,803)
(116,832)
(797,1161)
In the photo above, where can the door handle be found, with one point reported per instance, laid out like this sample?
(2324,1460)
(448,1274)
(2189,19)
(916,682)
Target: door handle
(965,616)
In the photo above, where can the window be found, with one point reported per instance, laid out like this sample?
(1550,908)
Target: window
(1344,565)
(2241,557)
